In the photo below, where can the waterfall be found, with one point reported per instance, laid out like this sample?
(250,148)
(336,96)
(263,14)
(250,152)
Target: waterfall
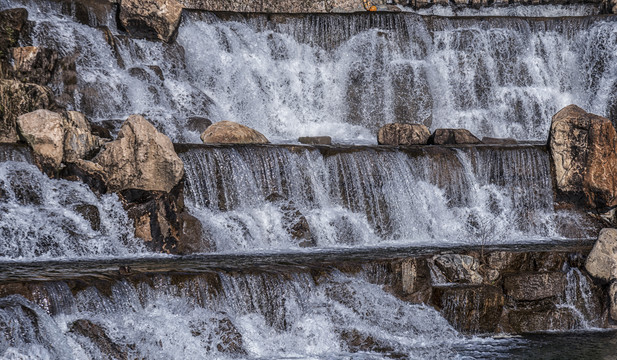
(244,196)
(41,218)
(268,315)
(342,75)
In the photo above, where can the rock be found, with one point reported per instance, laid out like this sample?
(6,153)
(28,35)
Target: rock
(453,137)
(191,236)
(293,221)
(499,141)
(198,123)
(315,140)
(100,131)
(602,260)
(403,134)
(525,320)
(97,336)
(140,158)
(584,157)
(470,308)
(91,214)
(34,64)
(17,98)
(228,132)
(459,268)
(79,142)
(612,295)
(150,19)
(415,280)
(87,172)
(12,22)
(535,286)
(43,130)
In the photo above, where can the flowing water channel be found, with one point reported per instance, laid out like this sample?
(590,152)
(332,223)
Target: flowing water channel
(281,215)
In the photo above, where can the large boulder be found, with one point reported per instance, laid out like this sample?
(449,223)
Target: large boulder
(229,132)
(150,19)
(453,137)
(403,134)
(43,130)
(140,158)
(584,157)
(602,260)
(17,98)
(34,64)
(79,142)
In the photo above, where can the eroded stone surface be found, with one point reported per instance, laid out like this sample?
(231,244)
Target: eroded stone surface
(229,132)
(459,268)
(43,130)
(34,64)
(453,137)
(602,260)
(150,19)
(535,286)
(403,134)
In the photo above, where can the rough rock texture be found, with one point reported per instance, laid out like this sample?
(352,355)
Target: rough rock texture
(79,142)
(521,321)
(315,140)
(499,141)
(12,22)
(459,268)
(415,280)
(229,132)
(602,260)
(470,308)
(43,130)
(150,19)
(584,157)
(34,64)
(403,134)
(140,158)
(535,286)
(453,137)
(17,98)
(89,173)
(612,295)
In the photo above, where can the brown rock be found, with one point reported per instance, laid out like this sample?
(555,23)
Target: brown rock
(459,268)
(87,172)
(584,157)
(415,280)
(612,295)
(602,260)
(535,286)
(228,132)
(34,64)
(499,141)
(453,137)
(403,134)
(43,130)
(526,320)
(79,142)
(315,140)
(191,236)
(151,19)
(97,335)
(17,98)
(91,214)
(12,22)
(140,158)
(470,308)
(198,123)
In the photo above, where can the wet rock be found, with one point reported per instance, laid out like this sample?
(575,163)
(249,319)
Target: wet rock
(17,98)
(79,142)
(602,260)
(453,137)
(293,221)
(43,130)
(403,134)
(34,64)
(140,158)
(358,341)
(415,280)
(584,157)
(499,141)
(12,22)
(470,308)
(230,338)
(521,321)
(459,268)
(65,78)
(100,131)
(612,295)
(98,336)
(87,172)
(228,132)
(535,286)
(91,214)
(198,123)
(150,19)
(315,140)
(191,236)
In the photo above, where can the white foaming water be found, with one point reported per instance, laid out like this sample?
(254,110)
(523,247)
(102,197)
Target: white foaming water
(260,316)
(343,75)
(41,218)
(370,197)
(514,10)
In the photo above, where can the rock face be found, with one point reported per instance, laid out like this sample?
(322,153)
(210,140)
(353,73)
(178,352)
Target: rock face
(229,132)
(151,19)
(459,268)
(79,142)
(403,134)
(453,137)
(140,158)
(602,260)
(43,130)
(535,286)
(17,98)
(584,157)
(34,64)
(472,309)
(12,22)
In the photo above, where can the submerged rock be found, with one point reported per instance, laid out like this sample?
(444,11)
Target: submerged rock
(602,260)
(584,157)
(403,134)
(43,130)
(453,137)
(150,19)
(140,158)
(229,132)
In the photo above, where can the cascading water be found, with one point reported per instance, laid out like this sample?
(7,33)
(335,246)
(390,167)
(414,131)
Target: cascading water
(244,196)
(342,75)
